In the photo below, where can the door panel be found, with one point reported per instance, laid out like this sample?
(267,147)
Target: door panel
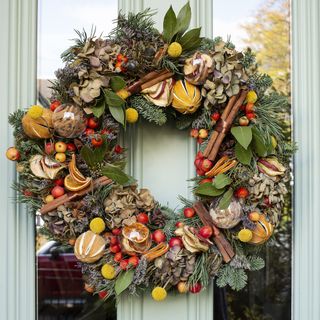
(161,159)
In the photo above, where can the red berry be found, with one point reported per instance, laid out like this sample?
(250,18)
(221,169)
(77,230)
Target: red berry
(251,115)
(71,147)
(134,261)
(200,172)
(114,240)
(115,248)
(194,133)
(189,212)
(27,193)
(118,149)
(206,180)
(206,165)
(93,123)
(198,163)
(243,108)
(116,231)
(249,107)
(242,192)
(215,116)
(97,142)
(200,140)
(59,182)
(124,264)
(196,288)
(205,232)
(158,236)
(49,148)
(175,241)
(54,105)
(143,218)
(118,257)
(179,224)
(199,155)
(103,294)
(89,131)
(57,191)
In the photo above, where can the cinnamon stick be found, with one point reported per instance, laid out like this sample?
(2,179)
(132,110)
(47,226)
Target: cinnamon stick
(157,80)
(136,87)
(215,134)
(219,239)
(102,181)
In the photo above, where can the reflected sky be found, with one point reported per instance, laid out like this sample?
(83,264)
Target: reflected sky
(57,20)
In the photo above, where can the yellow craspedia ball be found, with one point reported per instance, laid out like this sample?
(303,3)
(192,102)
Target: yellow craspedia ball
(97,225)
(123,94)
(245,235)
(174,50)
(159,293)
(252,96)
(132,115)
(35,112)
(108,271)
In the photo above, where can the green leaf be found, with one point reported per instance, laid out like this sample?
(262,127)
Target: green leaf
(169,25)
(112,99)
(99,108)
(87,155)
(123,281)
(183,19)
(242,154)
(118,114)
(243,135)
(226,199)
(221,180)
(117,83)
(207,189)
(191,39)
(258,143)
(115,174)
(99,153)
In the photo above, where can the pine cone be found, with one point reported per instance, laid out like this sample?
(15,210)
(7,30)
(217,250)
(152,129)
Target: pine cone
(177,265)
(157,218)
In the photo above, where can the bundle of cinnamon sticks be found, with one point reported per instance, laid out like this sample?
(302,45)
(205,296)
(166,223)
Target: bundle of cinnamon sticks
(70,196)
(224,125)
(149,80)
(219,239)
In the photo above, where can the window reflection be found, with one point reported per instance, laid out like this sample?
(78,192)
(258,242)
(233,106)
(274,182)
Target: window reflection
(264,25)
(61,293)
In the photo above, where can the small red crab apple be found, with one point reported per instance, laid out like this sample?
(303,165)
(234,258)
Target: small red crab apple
(251,115)
(244,121)
(179,224)
(143,218)
(134,261)
(215,116)
(54,105)
(242,193)
(71,147)
(206,165)
(124,264)
(175,241)
(189,212)
(206,232)
(116,231)
(93,123)
(196,288)
(118,257)
(194,133)
(13,154)
(49,148)
(158,236)
(57,191)
(103,294)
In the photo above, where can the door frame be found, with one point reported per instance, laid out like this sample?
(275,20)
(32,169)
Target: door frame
(18,30)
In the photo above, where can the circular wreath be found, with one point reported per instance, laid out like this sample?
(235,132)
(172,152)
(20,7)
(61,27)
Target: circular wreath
(71,167)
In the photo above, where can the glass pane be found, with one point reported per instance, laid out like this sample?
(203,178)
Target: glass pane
(61,293)
(263,25)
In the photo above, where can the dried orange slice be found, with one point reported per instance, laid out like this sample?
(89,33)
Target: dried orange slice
(74,171)
(136,232)
(73,185)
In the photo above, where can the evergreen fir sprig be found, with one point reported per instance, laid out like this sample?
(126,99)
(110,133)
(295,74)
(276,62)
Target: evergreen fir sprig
(270,109)
(200,273)
(235,278)
(148,110)
(260,83)
(249,58)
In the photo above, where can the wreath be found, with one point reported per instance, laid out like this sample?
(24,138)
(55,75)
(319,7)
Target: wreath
(71,169)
